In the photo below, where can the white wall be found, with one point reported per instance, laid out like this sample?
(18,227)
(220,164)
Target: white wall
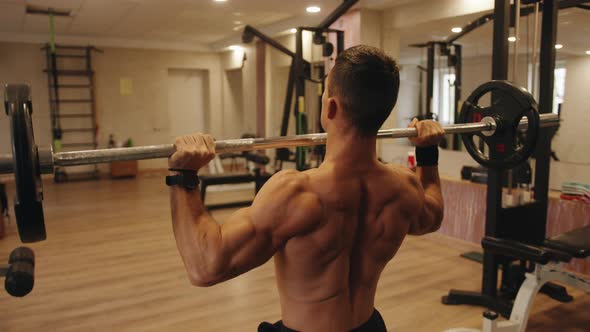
(277,71)
(416,12)
(249,91)
(233,103)
(142,115)
(24,63)
(370,27)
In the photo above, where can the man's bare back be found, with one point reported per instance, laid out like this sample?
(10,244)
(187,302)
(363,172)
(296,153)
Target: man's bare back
(331,230)
(333,270)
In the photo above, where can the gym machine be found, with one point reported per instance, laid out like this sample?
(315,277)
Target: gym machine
(452,50)
(300,72)
(319,38)
(525,223)
(282,154)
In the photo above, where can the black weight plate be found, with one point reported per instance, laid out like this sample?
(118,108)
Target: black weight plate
(22,254)
(28,205)
(20,279)
(509,105)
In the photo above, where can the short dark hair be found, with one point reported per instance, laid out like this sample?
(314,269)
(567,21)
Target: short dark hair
(366,81)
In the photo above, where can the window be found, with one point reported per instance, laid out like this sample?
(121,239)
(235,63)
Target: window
(558,88)
(558,85)
(444,96)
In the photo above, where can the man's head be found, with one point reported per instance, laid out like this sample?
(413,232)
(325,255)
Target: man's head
(361,88)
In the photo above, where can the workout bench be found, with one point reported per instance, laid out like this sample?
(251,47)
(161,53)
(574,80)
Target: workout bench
(255,176)
(549,260)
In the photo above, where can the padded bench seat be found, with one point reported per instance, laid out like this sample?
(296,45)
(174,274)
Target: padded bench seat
(226,178)
(206,180)
(523,251)
(575,243)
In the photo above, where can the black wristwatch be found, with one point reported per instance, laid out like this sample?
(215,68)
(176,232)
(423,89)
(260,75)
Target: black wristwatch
(186,179)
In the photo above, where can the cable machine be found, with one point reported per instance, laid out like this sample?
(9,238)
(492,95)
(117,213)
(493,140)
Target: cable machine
(300,72)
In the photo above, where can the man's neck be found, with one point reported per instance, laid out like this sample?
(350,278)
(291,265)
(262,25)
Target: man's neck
(350,148)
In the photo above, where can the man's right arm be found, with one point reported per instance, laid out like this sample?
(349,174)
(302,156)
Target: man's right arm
(429,216)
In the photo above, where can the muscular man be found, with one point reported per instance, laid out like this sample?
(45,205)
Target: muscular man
(331,230)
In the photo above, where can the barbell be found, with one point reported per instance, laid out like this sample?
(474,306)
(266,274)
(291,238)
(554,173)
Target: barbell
(513,110)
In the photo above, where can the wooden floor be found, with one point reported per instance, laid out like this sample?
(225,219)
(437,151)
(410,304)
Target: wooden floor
(110,264)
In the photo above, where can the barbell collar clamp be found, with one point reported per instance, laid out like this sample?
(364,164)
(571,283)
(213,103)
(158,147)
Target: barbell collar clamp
(492,123)
(46,162)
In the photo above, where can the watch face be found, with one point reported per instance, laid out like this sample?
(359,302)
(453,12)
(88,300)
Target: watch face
(190,181)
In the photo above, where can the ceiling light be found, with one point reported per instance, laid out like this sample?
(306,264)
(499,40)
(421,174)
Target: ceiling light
(456,29)
(313,9)
(588,52)
(558,46)
(235,48)
(512,39)
(237,22)
(294,30)
(220,0)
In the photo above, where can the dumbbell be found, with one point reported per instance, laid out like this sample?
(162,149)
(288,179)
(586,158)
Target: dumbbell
(20,275)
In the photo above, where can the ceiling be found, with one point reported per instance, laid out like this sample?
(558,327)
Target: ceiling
(191,22)
(573,33)
(207,25)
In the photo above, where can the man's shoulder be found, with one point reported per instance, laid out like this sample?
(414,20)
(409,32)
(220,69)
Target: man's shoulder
(403,175)
(288,194)
(286,183)
(409,189)
(289,177)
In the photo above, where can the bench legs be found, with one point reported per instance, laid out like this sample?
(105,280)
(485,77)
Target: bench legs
(526,296)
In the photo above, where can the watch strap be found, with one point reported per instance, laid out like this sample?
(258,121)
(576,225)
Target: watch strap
(187,179)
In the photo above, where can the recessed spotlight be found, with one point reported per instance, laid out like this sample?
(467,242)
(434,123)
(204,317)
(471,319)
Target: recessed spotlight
(295,31)
(235,48)
(456,29)
(313,9)
(219,0)
(558,46)
(588,52)
(512,39)
(237,22)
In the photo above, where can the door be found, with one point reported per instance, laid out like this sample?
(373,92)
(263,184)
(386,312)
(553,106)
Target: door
(187,101)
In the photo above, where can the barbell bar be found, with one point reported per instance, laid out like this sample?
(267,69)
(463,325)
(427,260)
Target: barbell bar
(90,157)
(509,128)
